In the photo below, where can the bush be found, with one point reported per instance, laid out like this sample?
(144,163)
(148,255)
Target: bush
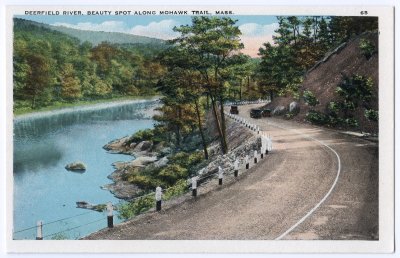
(310,99)
(351,122)
(289,115)
(371,114)
(179,188)
(355,88)
(173,172)
(367,48)
(132,208)
(145,182)
(316,117)
(333,108)
(141,135)
(348,105)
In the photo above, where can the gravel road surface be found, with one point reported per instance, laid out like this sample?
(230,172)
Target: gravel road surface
(297,192)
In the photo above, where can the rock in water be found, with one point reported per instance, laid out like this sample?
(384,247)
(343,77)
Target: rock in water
(76,166)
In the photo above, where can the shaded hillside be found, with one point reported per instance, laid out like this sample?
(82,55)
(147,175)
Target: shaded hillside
(51,68)
(95,37)
(346,61)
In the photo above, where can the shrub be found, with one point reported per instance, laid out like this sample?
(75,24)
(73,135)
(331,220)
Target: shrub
(334,121)
(143,181)
(310,99)
(355,88)
(132,208)
(352,122)
(195,158)
(333,108)
(371,114)
(348,105)
(289,115)
(173,172)
(141,135)
(316,117)
(367,48)
(178,188)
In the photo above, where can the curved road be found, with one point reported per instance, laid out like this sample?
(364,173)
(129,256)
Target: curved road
(297,192)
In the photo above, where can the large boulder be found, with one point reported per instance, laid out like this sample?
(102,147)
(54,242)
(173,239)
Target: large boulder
(161,162)
(294,107)
(142,161)
(76,166)
(279,110)
(143,146)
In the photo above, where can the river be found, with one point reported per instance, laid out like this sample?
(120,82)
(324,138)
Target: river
(45,142)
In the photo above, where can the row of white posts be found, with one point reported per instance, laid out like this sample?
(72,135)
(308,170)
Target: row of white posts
(247,102)
(266,146)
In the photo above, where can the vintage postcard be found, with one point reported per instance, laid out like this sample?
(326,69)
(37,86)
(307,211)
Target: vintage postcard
(239,128)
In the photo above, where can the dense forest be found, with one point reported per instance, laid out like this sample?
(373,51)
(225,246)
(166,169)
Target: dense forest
(204,65)
(194,72)
(50,67)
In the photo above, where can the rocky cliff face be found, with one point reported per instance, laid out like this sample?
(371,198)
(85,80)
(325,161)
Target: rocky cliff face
(322,80)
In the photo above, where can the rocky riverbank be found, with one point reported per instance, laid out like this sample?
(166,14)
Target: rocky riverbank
(147,153)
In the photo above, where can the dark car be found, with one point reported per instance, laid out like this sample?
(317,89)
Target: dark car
(256,113)
(234,110)
(266,113)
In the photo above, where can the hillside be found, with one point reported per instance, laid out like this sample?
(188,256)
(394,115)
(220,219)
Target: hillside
(346,61)
(95,37)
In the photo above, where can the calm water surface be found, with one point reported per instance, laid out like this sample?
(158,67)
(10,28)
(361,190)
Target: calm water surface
(45,143)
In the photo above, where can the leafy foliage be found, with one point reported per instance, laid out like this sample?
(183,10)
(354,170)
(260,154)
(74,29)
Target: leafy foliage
(316,117)
(50,67)
(300,42)
(310,99)
(130,209)
(141,135)
(371,114)
(367,48)
(355,90)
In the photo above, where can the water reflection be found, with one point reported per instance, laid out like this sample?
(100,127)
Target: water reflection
(44,144)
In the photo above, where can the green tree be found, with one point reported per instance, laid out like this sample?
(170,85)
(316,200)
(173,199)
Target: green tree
(70,84)
(38,81)
(212,43)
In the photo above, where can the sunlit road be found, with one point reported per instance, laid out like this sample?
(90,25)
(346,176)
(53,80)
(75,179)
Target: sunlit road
(315,184)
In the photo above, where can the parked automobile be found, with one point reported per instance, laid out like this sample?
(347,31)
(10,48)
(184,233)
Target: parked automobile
(234,110)
(256,113)
(266,112)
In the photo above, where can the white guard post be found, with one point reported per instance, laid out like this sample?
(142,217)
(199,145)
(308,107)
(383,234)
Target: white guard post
(158,198)
(39,230)
(110,217)
(236,167)
(194,186)
(220,175)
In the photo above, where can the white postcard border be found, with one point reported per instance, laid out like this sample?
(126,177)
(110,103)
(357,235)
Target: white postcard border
(386,147)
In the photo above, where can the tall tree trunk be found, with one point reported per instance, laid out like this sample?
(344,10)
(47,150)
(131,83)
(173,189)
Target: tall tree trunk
(203,139)
(240,90)
(214,108)
(178,131)
(223,124)
(248,85)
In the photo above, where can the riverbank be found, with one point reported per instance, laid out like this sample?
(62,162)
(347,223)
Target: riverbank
(150,157)
(78,104)
(86,107)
